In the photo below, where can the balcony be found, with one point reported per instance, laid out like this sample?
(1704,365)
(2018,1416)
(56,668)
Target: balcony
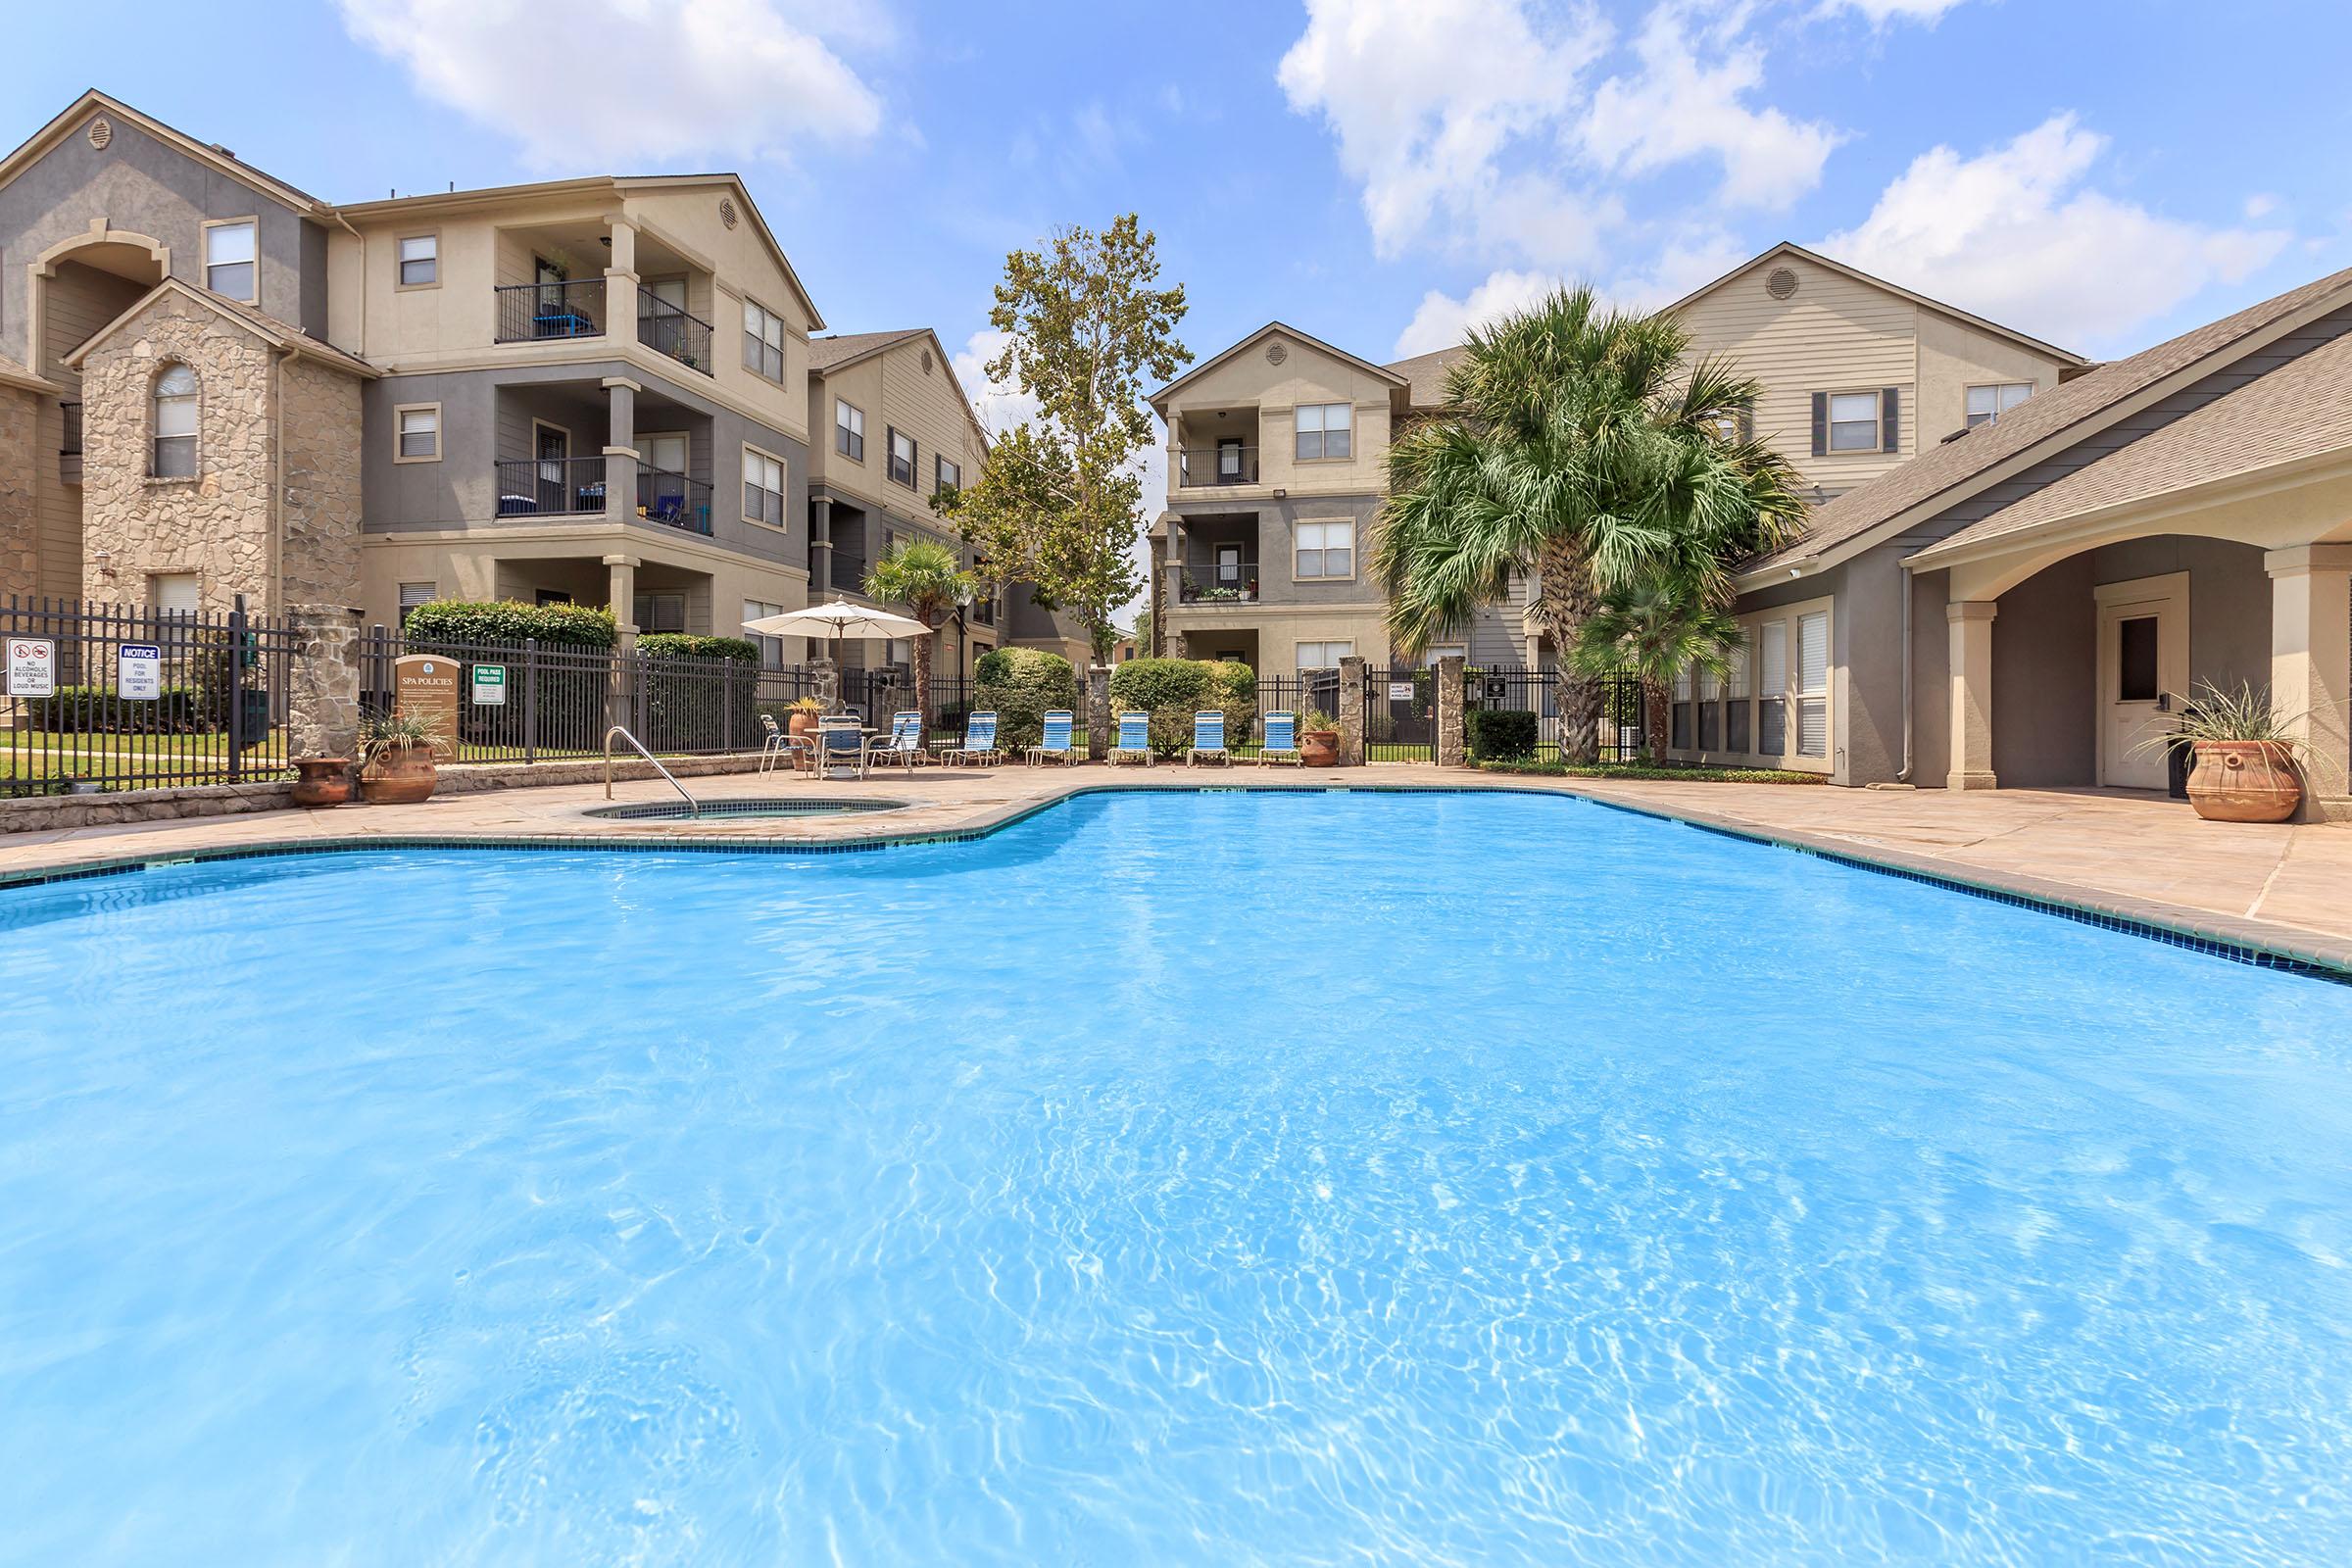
(673,501)
(670,329)
(552,487)
(538,312)
(983,611)
(1198,467)
(849,573)
(1218,583)
(69,446)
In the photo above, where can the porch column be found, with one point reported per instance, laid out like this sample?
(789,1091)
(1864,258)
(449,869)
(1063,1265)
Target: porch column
(1972,694)
(621,449)
(821,554)
(622,595)
(1452,750)
(621,282)
(2311,668)
(1352,712)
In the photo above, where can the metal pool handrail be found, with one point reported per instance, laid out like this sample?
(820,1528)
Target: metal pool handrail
(694,808)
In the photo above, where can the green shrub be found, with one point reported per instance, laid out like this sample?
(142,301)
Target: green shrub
(1499,735)
(1021,684)
(691,684)
(510,620)
(1233,687)
(573,693)
(686,645)
(1649,771)
(1170,689)
(98,710)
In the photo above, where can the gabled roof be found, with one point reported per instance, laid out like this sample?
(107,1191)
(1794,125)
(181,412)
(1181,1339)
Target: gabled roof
(1425,375)
(211,154)
(275,333)
(2299,412)
(1155,399)
(827,355)
(2044,424)
(1787,248)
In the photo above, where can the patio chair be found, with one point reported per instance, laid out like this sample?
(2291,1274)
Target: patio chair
(776,745)
(979,740)
(1135,741)
(1281,741)
(1209,739)
(904,747)
(841,742)
(1057,745)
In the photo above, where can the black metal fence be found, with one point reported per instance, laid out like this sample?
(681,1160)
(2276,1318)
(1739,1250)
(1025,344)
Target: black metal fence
(107,697)
(533,312)
(1400,715)
(1618,736)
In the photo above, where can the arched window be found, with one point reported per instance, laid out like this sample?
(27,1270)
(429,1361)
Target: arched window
(175,423)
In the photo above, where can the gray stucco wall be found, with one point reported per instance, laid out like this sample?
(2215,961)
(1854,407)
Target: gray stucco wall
(1275,525)
(140,185)
(486,416)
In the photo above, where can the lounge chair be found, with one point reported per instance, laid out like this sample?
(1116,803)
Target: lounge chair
(1281,741)
(979,740)
(1135,741)
(841,742)
(1056,747)
(904,747)
(1209,739)
(775,745)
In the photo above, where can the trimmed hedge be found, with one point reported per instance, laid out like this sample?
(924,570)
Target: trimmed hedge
(1021,684)
(99,710)
(686,645)
(1499,735)
(1170,689)
(1233,687)
(510,620)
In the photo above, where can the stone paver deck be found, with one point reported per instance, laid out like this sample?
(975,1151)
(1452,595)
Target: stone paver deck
(2287,889)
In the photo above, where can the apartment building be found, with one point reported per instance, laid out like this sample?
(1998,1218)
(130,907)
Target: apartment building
(1277,449)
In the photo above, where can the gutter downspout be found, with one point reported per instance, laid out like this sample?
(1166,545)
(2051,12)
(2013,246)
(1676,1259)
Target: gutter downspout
(277,480)
(1904,774)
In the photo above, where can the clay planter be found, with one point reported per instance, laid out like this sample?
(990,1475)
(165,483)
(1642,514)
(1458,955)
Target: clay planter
(801,724)
(399,777)
(321,780)
(1319,748)
(2244,781)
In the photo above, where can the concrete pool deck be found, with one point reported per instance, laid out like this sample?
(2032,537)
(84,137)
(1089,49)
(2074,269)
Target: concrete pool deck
(2285,890)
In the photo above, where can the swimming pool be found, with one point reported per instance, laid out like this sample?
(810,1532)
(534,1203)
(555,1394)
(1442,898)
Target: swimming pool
(1208,1178)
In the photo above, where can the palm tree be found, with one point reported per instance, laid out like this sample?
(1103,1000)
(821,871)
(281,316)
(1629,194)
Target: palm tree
(1580,446)
(927,579)
(1654,630)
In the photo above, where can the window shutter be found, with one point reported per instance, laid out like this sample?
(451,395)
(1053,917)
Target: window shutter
(1821,424)
(1890,421)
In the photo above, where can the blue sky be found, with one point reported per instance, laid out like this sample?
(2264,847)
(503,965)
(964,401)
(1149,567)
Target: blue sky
(2101,172)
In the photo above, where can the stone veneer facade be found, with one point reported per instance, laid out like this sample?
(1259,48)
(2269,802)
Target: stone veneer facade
(20,526)
(218,524)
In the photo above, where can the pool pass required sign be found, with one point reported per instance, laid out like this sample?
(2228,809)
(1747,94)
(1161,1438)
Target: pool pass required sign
(489,685)
(32,666)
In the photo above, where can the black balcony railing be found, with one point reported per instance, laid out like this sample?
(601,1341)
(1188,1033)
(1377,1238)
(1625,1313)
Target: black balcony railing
(1218,583)
(529,487)
(666,329)
(1214,465)
(69,444)
(849,573)
(673,501)
(531,313)
(984,613)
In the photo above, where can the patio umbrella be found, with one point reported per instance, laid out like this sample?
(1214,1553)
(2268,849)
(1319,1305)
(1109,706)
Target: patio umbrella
(837,620)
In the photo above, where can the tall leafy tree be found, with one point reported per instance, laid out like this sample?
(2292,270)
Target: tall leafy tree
(928,580)
(1582,446)
(1058,502)
(1654,630)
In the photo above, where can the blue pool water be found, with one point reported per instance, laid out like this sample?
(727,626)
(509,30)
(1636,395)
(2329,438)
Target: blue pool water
(1303,1178)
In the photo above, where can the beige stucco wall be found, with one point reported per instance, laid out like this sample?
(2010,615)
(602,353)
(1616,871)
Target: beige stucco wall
(1251,381)
(1277,635)
(893,388)
(1954,357)
(513,566)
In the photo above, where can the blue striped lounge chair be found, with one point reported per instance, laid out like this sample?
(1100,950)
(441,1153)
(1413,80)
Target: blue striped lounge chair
(1281,740)
(979,740)
(1209,739)
(1056,746)
(1135,741)
(905,744)
(841,742)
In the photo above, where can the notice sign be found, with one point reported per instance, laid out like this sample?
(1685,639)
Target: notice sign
(32,666)
(427,685)
(1401,691)
(139,671)
(489,685)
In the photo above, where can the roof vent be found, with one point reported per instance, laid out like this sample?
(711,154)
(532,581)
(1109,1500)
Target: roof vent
(726,210)
(926,362)
(101,133)
(1780,284)
(1277,352)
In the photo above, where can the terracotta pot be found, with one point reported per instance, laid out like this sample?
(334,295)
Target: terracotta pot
(399,777)
(801,724)
(2244,781)
(321,780)
(1319,748)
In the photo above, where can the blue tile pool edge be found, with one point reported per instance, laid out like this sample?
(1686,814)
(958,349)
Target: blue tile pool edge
(2238,942)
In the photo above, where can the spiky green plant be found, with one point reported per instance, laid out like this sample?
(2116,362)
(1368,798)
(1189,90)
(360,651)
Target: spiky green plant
(1653,632)
(926,577)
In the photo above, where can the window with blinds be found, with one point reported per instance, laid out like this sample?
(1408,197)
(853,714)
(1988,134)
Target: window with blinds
(1813,684)
(1771,709)
(1735,694)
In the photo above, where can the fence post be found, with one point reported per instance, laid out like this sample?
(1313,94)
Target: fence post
(530,698)
(323,706)
(1450,752)
(1351,712)
(726,705)
(236,690)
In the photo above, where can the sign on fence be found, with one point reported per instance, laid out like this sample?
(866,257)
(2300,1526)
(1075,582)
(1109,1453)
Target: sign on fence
(1401,691)
(489,685)
(139,671)
(427,685)
(32,666)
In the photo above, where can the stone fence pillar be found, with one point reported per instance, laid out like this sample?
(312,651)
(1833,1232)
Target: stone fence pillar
(323,687)
(1352,712)
(828,683)
(1451,753)
(1098,712)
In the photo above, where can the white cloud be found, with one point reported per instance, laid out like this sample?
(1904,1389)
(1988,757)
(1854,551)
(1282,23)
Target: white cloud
(2261,204)
(1679,266)
(1678,107)
(2015,234)
(1442,322)
(1881,11)
(741,78)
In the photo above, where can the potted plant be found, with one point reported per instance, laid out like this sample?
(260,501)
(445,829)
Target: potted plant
(321,780)
(2245,759)
(1319,739)
(804,712)
(396,759)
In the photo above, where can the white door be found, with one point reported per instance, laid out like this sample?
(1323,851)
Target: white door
(665,454)
(176,593)
(2143,673)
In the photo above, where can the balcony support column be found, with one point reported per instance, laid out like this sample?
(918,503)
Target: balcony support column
(820,550)
(621,282)
(621,449)
(622,596)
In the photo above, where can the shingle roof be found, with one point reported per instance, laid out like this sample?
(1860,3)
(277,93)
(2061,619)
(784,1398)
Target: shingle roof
(1425,375)
(829,352)
(2301,409)
(1945,468)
